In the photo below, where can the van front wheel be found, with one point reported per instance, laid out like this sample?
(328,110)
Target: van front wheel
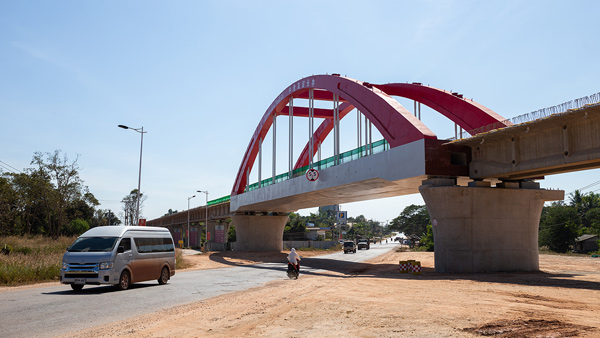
(164,276)
(124,280)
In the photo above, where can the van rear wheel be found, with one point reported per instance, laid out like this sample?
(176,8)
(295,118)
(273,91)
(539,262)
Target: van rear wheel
(164,276)
(124,280)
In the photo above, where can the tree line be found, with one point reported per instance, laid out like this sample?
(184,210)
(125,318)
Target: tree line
(295,228)
(561,223)
(50,199)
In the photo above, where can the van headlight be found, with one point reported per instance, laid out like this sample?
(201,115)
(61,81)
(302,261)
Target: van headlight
(65,265)
(106,265)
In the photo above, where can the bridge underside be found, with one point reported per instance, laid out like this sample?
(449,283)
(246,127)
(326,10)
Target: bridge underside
(398,171)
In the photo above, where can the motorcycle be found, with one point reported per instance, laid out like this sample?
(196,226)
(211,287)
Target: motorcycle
(293,271)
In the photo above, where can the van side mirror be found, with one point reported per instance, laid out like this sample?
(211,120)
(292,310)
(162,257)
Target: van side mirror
(120,249)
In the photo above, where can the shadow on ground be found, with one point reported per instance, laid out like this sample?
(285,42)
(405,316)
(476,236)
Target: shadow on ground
(321,266)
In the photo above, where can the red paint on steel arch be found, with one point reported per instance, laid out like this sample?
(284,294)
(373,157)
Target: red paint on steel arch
(466,113)
(396,124)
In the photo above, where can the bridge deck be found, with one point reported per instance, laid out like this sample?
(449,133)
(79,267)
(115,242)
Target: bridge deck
(563,142)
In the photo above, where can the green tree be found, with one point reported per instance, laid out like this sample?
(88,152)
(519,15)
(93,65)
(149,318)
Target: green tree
(427,240)
(171,212)
(412,220)
(8,201)
(104,217)
(130,207)
(295,227)
(67,187)
(231,236)
(75,228)
(588,209)
(558,226)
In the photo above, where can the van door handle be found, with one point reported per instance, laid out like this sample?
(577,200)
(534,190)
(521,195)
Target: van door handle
(130,255)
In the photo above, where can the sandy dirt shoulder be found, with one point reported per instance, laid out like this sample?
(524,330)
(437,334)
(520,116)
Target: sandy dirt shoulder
(372,299)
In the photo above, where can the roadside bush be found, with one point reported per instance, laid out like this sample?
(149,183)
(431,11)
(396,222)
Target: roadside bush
(76,227)
(427,241)
(180,261)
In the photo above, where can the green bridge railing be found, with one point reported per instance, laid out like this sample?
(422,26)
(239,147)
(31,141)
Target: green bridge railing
(351,155)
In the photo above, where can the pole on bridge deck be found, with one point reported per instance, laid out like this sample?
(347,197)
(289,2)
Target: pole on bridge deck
(274,147)
(336,129)
(311,126)
(358,132)
(259,162)
(291,136)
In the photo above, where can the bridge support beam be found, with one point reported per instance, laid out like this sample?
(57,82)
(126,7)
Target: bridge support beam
(484,229)
(259,233)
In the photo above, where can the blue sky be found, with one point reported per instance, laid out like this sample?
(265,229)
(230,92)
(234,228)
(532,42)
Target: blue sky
(199,75)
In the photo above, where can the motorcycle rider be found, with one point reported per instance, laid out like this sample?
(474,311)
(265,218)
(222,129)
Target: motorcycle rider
(294,260)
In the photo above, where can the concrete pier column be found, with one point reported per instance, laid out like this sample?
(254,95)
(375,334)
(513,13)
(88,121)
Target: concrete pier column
(484,229)
(259,233)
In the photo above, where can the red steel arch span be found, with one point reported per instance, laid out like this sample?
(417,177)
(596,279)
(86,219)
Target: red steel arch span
(395,123)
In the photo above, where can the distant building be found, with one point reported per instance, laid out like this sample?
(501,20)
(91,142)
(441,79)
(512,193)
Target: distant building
(586,243)
(330,209)
(312,234)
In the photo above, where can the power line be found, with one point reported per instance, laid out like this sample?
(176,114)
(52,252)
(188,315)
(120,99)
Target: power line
(586,187)
(9,167)
(590,185)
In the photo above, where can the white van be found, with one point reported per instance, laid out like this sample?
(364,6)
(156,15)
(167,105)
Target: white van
(119,255)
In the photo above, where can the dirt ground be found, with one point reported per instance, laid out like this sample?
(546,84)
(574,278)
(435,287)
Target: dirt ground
(373,299)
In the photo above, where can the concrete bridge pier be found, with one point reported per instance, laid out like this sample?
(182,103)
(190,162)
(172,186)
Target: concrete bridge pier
(259,232)
(483,229)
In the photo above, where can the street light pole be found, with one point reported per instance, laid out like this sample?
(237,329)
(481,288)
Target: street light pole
(205,215)
(142,132)
(188,222)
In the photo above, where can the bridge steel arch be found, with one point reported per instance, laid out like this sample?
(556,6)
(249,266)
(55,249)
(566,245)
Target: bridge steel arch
(395,123)
(467,114)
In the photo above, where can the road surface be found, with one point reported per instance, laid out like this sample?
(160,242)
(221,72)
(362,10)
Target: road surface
(54,310)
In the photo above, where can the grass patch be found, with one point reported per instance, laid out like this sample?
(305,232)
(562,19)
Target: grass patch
(28,260)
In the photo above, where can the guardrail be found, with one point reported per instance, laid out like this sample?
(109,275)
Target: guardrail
(377,147)
(351,155)
(538,114)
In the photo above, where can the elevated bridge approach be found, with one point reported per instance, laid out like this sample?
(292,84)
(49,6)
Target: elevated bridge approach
(480,191)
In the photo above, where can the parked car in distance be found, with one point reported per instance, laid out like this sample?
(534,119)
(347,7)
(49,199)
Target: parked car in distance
(120,256)
(363,243)
(349,246)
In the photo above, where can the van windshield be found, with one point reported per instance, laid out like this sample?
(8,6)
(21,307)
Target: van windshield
(96,244)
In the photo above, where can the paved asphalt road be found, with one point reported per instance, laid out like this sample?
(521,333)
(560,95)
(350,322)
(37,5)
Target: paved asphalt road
(54,310)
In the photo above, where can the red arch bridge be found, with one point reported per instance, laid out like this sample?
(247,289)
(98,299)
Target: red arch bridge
(480,189)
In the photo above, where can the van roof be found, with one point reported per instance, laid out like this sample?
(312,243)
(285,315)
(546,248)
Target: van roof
(119,230)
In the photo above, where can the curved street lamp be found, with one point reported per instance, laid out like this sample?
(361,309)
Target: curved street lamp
(142,132)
